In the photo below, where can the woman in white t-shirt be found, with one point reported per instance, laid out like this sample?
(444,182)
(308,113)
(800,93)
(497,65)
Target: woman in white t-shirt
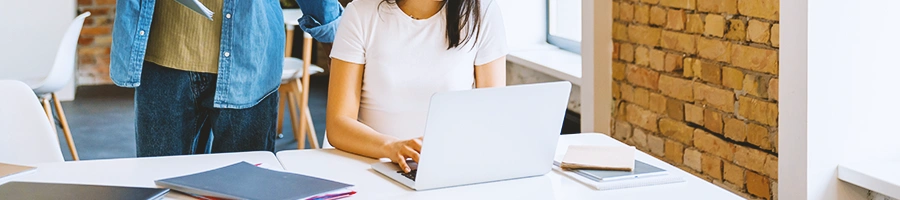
(390,56)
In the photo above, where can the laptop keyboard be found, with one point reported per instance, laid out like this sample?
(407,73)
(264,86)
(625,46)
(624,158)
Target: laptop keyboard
(411,175)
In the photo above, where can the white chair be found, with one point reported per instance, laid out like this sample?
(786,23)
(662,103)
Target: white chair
(60,74)
(295,84)
(325,143)
(26,137)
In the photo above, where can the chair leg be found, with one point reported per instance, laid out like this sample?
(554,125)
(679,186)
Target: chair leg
(303,84)
(313,138)
(295,117)
(46,104)
(65,127)
(289,41)
(279,126)
(303,117)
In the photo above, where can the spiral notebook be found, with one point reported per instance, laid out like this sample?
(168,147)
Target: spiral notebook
(643,175)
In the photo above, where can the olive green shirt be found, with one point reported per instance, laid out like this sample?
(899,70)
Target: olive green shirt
(182,39)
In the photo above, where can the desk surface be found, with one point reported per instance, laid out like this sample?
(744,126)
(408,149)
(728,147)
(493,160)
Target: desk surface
(341,166)
(139,172)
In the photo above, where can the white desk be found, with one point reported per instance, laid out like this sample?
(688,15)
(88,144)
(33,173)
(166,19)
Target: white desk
(140,172)
(344,167)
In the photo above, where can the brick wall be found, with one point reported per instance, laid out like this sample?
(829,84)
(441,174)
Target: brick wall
(696,84)
(93,46)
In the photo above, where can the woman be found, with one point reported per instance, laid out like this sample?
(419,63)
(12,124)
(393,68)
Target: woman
(390,56)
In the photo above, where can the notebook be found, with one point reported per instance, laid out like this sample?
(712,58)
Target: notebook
(643,175)
(198,7)
(246,181)
(40,191)
(7,170)
(599,157)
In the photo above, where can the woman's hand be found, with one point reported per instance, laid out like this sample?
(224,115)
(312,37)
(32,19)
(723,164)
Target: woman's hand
(398,151)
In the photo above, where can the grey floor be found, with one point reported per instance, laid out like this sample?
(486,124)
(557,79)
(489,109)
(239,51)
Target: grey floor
(102,120)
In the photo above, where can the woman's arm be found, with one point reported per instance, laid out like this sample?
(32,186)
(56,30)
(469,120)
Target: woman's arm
(346,133)
(492,74)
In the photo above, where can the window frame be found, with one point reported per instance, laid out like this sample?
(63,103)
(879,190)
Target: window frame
(562,43)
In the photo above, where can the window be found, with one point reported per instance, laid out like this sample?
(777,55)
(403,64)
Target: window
(564,24)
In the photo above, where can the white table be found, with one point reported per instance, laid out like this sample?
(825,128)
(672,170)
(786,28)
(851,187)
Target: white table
(139,172)
(344,167)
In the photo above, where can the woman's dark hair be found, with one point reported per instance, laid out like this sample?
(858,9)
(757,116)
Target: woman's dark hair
(459,14)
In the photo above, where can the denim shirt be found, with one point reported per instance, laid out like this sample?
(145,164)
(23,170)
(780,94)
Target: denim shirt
(251,49)
(320,18)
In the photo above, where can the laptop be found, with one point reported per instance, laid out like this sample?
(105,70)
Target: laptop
(485,135)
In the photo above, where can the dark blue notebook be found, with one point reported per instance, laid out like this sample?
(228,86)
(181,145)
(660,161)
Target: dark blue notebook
(246,181)
(39,191)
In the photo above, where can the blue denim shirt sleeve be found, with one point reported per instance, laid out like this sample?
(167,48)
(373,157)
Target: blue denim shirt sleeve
(320,18)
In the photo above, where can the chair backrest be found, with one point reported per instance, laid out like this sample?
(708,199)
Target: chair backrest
(64,65)
(325,143)
(26,136)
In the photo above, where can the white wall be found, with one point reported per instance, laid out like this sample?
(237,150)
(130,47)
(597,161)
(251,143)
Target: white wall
(525,21)
(844,89)
(30,35)
(792,111)
(596,61)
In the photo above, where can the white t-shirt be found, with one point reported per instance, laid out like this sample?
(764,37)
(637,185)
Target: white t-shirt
(407,60)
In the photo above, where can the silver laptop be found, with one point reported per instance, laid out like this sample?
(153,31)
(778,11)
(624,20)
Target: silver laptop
(485,135)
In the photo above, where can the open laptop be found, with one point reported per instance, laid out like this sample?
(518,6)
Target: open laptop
(485,135)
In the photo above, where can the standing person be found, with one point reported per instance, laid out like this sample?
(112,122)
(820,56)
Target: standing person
(193,75)
(390,56)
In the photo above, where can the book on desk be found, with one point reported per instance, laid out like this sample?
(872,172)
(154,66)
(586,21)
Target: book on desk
(610,167)
(41,191)
(643,175)
(247,181)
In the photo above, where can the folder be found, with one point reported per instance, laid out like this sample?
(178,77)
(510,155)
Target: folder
(246,181)
(198,7)
(41,191)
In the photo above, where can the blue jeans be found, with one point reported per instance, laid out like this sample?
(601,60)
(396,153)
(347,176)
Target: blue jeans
(174,111)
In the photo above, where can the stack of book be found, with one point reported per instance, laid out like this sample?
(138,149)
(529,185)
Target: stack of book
(610,167)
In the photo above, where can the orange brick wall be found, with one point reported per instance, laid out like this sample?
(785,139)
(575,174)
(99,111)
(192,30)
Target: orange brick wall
(93,46)
(696,84)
